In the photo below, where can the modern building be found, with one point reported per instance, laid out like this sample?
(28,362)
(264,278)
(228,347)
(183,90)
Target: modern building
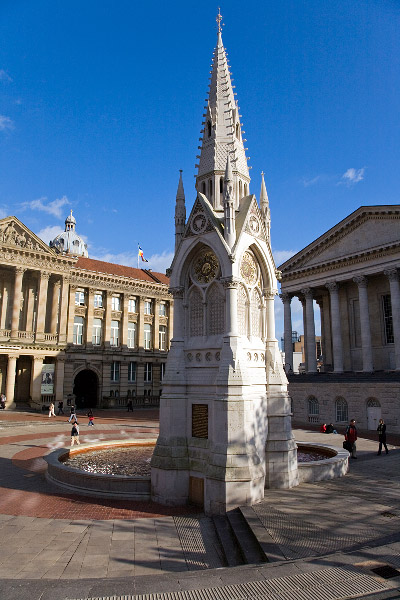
(77,329)
(352,272)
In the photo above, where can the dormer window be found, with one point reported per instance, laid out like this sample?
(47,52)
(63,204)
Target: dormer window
(209,128)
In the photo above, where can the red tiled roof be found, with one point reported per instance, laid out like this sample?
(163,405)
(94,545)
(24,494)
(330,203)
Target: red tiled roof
(90,264)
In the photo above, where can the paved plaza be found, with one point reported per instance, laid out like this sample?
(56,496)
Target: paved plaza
(321,540)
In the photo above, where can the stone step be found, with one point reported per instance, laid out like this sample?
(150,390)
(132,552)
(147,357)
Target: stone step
(228,541)
(250,549)
(267,544)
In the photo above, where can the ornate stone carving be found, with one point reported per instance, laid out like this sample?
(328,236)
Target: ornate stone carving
(249,269)
(361,281)
(215,311)
(391,274)
(230,283)
(177,292)
(205,267)
(195,313)
(98,312)
(198,223)
(285,297)
(13,235)
(307,293)
(116,315)
(332,286)
(270,294)
(80,311)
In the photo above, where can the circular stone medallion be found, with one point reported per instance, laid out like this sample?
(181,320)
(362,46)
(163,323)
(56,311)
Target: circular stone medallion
(205,267)
(248,269)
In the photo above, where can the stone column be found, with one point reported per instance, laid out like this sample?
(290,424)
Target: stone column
(59,383)
(42,305)
(4,304)
(156,324)
(55,306)
(337,345)
(107,320)
(362,283)
(303,305)
(170,314)
(30,306)
(310,335)
(10,382)
(178,313)
(36,379)
(231,287)
(89,317)
(16,307)
(287,319)
(62,328)
(320,302)
(393,276)
(140,324)
(269,296)
(71,314)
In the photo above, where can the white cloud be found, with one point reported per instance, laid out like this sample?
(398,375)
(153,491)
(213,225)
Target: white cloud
(6,123)
(52,208)
(157,262)
(352,176)
(49,233)
(281,256)
(4,76)
(313,181)
(3,213)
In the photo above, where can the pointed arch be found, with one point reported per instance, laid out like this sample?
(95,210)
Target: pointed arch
(196,312)
(243,311)
(256,313)
(215,310)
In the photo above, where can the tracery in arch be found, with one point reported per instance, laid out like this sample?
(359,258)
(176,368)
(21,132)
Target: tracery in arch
(256,313)
(242,311)
(215,310)
(195,312)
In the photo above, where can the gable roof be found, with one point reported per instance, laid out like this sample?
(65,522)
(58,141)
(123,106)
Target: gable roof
(91,264)
(14,233)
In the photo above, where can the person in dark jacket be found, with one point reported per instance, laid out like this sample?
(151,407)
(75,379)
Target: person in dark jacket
(75,434)
(351,437)
(382,436)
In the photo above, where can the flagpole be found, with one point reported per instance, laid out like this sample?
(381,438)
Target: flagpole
(138,255)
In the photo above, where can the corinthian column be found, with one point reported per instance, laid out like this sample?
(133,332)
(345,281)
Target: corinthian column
(16,307)
(362,283)
(287,318)
(337,345)
(42,305)
(269,296)
(55,306)
(310,335)
(393,276)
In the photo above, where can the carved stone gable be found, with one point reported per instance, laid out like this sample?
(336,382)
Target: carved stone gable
(254,225)
(13,233)
(198,222)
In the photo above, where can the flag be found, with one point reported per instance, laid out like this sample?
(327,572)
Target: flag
(140,253)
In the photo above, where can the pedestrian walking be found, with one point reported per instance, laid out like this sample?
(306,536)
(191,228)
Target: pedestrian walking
(91,418)
(51,410)
(73,414)
(75,433)
(60,408)
(351,437)
(130,406)
(382,436)
(2,401)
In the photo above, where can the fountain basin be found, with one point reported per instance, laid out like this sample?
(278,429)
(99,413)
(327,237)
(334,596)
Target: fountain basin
(132,487)
(335,464)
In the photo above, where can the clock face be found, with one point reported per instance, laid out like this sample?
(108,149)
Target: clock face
(205,267)
(248,269)
(198,224)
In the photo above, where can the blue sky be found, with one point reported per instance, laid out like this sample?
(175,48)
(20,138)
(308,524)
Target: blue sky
(101,104)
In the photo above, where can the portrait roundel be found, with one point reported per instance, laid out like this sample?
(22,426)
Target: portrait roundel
(205,266)
(248,269)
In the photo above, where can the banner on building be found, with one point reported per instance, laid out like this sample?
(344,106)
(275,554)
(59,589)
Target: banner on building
(47,380)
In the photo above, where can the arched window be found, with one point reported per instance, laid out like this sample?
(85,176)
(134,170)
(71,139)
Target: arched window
(203,188)
(373,402)
(195,313)
(112,394)
(215,311)
(209,128)
(243,311)
(342,411)
(116,393)
(256,313)
(313,409)
(210,189)
(221,185)
(240,189)
(128,393)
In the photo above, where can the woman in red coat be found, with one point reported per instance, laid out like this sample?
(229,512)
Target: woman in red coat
(351,437)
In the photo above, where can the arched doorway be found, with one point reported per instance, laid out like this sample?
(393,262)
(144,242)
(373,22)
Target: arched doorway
(86,389)
(373,413)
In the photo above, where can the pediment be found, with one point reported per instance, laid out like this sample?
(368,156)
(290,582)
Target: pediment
(201,219)
(15,234)
(249,219)
(368,230)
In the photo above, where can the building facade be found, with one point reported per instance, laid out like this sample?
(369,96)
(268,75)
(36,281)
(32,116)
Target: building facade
(77,329)
(352,273)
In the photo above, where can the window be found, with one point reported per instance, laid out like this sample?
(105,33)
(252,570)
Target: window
(131,335)
(342,414)
(115,371)
(148,334)
(209,128)
(132,305)
(115,303)
(114,337)
(78,330)
(96,334)
(162,337)
(313,410)
(387,319)
(162,310)
(162,371)
(147,372)
(132,371)
(98,301)
(148,307)
(79,298)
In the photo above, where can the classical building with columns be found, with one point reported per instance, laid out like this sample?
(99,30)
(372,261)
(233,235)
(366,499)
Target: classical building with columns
(73,328)
(351,272)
